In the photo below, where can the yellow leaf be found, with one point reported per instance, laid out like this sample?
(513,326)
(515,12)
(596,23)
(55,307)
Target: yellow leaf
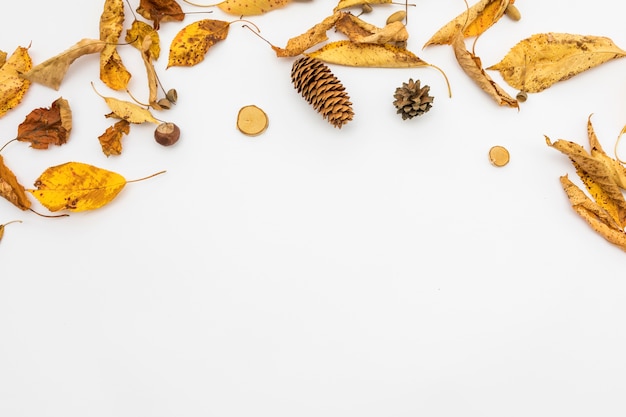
(474,21)
(128,111)
(315,35)
(111,139)
(367,55)
(541,60)
(251,7)
(12,85)
(76,186)
(11,189)
(472,66)
(138,32)
(191,43)
(344,4)
(52,71)
(112,70)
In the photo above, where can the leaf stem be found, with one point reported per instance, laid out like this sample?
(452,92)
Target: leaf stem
(148,177)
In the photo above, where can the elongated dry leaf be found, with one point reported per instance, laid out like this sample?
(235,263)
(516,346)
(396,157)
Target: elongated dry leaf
(367,55)
(161,11)
(52,71)
(473,21)
(11,189)
(614,166)
(344,4)
(541,60)
(153,79)
(111,139)
(472,66)
(358,30)
(596,177)
(47,126)
(136,34)
(12,85)
(314,36)
(251,7)
(112,70)
(76,186)
(130,112)
(593,214)
(191,43)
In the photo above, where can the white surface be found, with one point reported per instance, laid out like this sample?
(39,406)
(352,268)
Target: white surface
(382,269)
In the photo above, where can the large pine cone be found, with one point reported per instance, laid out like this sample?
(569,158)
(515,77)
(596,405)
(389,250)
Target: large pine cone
(317,84)
(412,100)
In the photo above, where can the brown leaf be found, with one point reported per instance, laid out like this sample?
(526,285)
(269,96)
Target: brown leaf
(11,189)
(315,35)
(111,139)
(541,60)
(47,126)
(472,66)
(52,71)
(357,30)
(160,11)
(473,21)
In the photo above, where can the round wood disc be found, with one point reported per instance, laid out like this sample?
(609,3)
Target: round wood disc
(251,120)
(499,156)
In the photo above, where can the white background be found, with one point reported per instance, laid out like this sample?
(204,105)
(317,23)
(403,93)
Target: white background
(382,269)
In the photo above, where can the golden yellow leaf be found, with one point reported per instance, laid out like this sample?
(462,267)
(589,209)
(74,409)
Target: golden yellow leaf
(251,7)
(112,20)
(111,139)
(52,71)
(112,70)
(344,4)
(138,32)
(11,189)
(3,58)
(472,66)
(597,179)
(12,85)
(358,30)
(367,55)
(191,43)
(76,186)
(543,59)
(615,167)
(315,35)
(593,214)
(473,21)
(125,110)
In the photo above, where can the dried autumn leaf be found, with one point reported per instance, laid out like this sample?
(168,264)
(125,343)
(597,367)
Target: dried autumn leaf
(251,7)
(12,85)
(153,80)
(160,11)
(112,70)
(474,21)
(111,139)
(614,166)
(594,214)
(76,186)
(47,126)
(11,189)
(128,111)
(315,35)
(344,4)
(597,179)
(191,43)
(367,55)
(357,30)
(541,60)
(138,32)
(472,66)
(52,71)
(3,58)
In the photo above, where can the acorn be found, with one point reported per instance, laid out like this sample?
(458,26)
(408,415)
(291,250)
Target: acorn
(167,134)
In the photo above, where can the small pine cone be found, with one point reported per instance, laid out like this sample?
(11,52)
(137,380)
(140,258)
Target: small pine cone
(317,84)
(412,100)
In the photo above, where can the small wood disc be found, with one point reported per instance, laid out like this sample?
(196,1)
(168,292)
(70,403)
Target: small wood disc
(251,120)
(499,156)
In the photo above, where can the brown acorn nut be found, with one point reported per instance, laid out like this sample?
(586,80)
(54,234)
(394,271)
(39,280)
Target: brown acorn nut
(167,134)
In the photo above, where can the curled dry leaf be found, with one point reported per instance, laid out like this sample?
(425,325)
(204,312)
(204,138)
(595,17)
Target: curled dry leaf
(160,11)
(191,43)
(472,66)
(76,186)
(153,79)
(12,85)
(11,189)
(474,21)
(251,7)
(47,126)
(111,139)
(52,71)
(357,30)
(314,36)
(128,111)
(367,55)
(112,70)
(543,59)
(344,4)
(137,33)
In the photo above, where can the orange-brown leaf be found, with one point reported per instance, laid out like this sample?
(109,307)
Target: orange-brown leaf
(111,139)
(11,189)
(47,126)
(472,66)
(160,11)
